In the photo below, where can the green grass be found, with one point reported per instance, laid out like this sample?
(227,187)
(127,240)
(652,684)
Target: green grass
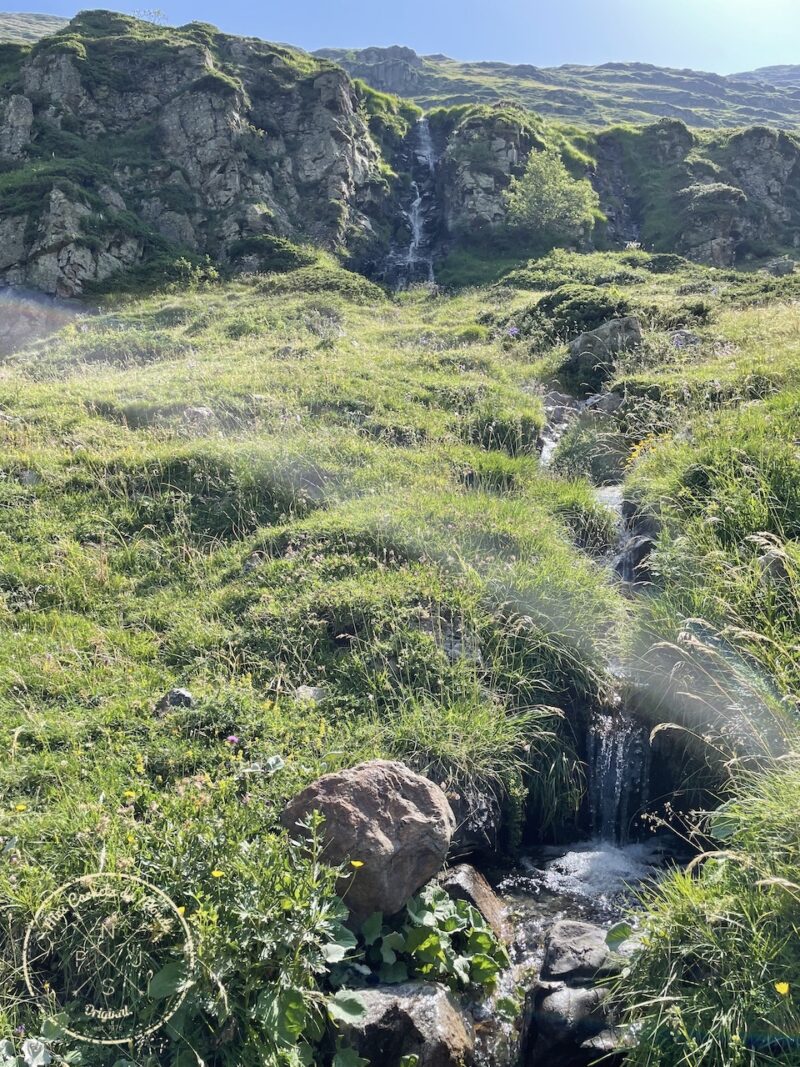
(245,487)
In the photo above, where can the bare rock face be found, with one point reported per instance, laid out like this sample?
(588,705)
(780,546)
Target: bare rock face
(16,120)
(395,823)
(230,139)
(414,1019)
(591,355)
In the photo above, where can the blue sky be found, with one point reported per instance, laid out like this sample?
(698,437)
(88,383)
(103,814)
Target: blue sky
(720,35)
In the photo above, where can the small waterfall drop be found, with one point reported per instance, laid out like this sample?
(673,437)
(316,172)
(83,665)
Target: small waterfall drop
(619,772)
(416,263)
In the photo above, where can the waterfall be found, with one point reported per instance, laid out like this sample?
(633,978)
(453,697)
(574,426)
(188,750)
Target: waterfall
(416,264)
(619,772)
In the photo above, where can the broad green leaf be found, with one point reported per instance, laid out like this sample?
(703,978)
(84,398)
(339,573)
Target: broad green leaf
(391,944)
(336,950)
(618,934)
(394,973)
(168,980)
(8,1057)
(461,969)
(481,941)
(483,969)
(508,1008)
(346,1007)
(53,1027)
(35,1053)
(723,824)
(371,928)
(348,1057)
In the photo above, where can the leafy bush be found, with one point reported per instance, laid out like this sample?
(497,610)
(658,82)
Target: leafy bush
(548,202)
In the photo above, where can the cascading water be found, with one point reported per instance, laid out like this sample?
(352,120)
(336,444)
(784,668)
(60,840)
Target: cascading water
(619,773)
(416,263)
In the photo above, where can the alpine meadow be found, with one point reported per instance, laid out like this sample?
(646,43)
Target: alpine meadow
(399,556)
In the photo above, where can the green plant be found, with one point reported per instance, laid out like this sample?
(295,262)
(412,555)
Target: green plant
(547,202)
(437,939)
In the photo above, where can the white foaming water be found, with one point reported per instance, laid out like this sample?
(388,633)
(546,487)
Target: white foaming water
(600,872)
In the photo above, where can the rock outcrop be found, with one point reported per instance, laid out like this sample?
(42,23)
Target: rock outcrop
(395,825)
(201,141)
(571,1016)
(414,1019)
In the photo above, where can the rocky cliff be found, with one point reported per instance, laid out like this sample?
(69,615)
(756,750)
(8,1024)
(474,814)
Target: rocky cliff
(125,146)
(121,141)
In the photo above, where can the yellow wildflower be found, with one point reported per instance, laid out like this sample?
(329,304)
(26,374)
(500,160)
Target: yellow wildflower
(20,807)
(356,863)
(217,874)
(782,988)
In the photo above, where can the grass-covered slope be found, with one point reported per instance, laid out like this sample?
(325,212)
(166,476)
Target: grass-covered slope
(245,489)
(597,96)
(25,28)
(249,487)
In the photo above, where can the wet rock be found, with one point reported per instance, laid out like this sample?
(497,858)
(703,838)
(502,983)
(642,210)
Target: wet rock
(466,883)
(414,1019)
(592,354)
(631,564)
(479,820)
(560,407)
(564,1014)
(396,823)
(312,694)
(604,403)
(175,698)
(609,1045)
(577,952)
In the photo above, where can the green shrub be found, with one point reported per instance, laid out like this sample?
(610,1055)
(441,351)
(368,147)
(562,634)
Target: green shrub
(547,202)
(274,254)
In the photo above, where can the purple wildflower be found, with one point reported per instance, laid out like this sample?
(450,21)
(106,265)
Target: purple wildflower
(513,331)
(232,739)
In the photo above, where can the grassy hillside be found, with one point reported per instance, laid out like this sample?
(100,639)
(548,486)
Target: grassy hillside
(598,96)
(244,488)
(28,28)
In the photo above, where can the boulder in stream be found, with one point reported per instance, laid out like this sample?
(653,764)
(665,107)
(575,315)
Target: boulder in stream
(591,355)
(465,883)
(577,952)
(414,1019)
(395,824)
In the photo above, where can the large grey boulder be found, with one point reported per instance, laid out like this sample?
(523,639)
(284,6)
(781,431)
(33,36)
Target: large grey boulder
(575,952)
(413,1019)
(591,355)
(394,823)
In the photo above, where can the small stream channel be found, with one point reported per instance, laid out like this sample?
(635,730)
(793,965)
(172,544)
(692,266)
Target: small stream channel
(595,880)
